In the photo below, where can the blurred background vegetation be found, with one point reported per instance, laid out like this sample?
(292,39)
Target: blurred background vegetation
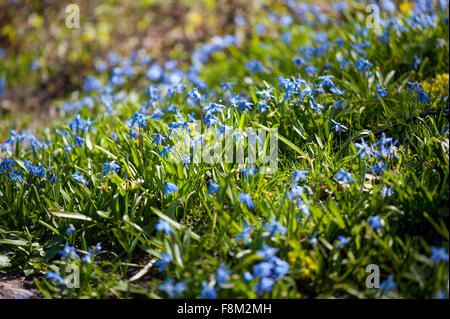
(42,60)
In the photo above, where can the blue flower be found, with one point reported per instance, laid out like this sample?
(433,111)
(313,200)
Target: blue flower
(165,151)
(266,93)
(79,141)
(263,269)
(172,288)
(222,274)
(381,91)
(438,254)
(275,227)
(248,172)
(15,177)
(52,275)
(213,187)
(111,166)
(417,61)
(164,261)
(299,175)
(208,291)
(441,294)
(248,277)
(139,119)
(378,168)
(88,257)
(265,284)
(280,267)
(385,191)
(311,70)
(254,66)
(79,178)
(344,176)
(2,85)
(226,86)
(7,165)
(267,252)
(68,251)
(194,96)
(170,188)
(245,233)
(364,149)
(388,284)
(165,227)
(247,199)
(363,65)
(342,241)
(375,222)
(422,97)
(338,127)
(70,230)
(155,72)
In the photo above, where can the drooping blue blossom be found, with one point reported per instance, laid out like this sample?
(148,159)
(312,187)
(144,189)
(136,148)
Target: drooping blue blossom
(245,233)
(194,97)
(416,62)
(438,254)
(378,168)
(110,167)
(170,188)
(247,200)
(266,93)
(155,72)
(7,165)
(254,66)
(375,222)
(79,178)
(386,191)
(267,252)
(364,149)
(138,119)
(222,274)
(68,252)
(164,261)
(213,187)
(388,284)
(363,65)
(274,227)
(265,284)
(381,91)
(14,176)
(70,230)
(299,175)
(165,151)
(53,275)
(344,176)
(262,269)
(208,291)
(248,172)
(165,227)
(342,241)
(311,70)
(338,127)
(227,86)
(172,288)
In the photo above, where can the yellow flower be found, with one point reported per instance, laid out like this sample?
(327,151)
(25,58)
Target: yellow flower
(308,267)
(405,7)
(438,86)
